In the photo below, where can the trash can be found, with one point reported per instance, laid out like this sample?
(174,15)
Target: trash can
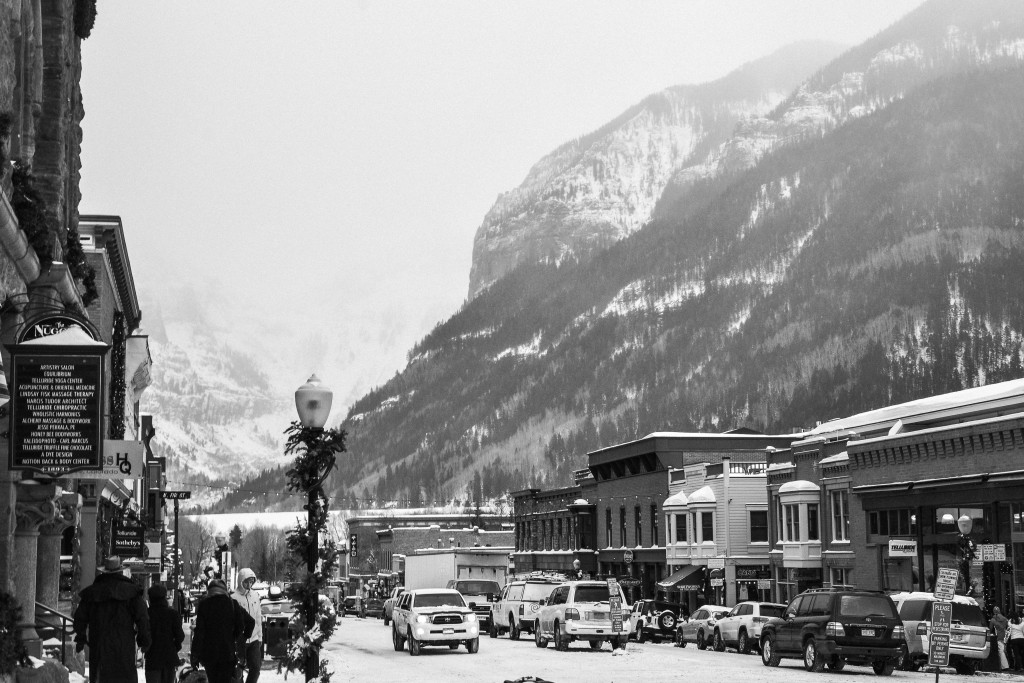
(276,635)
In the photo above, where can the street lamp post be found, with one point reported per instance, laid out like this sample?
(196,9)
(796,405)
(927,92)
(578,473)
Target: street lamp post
(315,452)
(967,549)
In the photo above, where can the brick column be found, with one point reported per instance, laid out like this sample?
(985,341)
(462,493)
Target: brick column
(48,557)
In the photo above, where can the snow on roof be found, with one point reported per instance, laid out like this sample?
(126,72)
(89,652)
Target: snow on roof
(838,457)
(799,485)
(677,500)
(580,501)
(780,466)
(703,495)
(70,336)
(1001,391)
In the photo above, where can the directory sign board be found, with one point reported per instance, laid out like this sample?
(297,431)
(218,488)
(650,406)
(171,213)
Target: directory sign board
(57,413)
(127,539)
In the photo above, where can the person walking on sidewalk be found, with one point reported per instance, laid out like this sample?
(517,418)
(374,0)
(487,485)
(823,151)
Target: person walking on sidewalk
(998,624)
(1015,640)
(220,624)
(111,618)
(165,627)
(250,653)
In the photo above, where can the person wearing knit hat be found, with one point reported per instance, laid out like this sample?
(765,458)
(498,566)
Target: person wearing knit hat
(220,624)
(167,634)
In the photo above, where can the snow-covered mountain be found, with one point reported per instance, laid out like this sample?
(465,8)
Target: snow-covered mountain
(599,188)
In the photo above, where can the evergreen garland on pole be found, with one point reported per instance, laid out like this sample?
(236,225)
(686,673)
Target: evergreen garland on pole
(315,451)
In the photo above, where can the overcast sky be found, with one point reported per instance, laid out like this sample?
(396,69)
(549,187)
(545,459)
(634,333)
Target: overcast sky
(312,153)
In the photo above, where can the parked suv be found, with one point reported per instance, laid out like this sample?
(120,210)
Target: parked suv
(833,627)
(389,604)
(435,616)
(651,623)
(580,610)
(700,627)
(517,606)
(741,628)
(968,633)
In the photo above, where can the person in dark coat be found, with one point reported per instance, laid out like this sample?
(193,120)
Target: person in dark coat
(111,618)
(220,624)
(167,634)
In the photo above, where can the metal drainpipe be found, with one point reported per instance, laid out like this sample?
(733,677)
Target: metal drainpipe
(725,493)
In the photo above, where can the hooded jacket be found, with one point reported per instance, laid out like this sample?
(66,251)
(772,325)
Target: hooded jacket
(250,602)
(111,618)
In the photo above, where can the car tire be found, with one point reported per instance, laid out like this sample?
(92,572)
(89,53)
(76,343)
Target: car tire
(836,663)
(814,661)
(641,635)
(386,620)
(561,640)
(679,640)
(539,640)
(472,646)
(769,655)
(397,640)
(493,630)
(701,643)
(885,667)
(513,629)
(666,621)
(596,644)
(743,643)
(414,646)
(718,643)
(619,642)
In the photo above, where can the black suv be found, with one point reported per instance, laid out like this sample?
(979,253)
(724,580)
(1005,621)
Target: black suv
(830,627)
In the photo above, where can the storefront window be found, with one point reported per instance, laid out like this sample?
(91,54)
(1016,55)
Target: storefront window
(899,522)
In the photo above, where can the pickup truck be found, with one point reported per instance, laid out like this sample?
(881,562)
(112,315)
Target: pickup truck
(389,604)
(479,595)
(434,616)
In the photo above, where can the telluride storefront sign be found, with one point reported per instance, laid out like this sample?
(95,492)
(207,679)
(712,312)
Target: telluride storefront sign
(57,397)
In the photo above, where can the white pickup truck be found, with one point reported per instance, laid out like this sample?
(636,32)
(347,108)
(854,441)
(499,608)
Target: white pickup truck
(434,616)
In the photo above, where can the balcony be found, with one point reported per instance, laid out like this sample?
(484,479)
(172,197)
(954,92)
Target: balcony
(683,553)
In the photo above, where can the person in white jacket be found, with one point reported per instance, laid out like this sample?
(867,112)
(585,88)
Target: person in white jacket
(251,657)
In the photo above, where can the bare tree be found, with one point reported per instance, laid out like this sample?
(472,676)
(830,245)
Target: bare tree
(263,550)
(197,546)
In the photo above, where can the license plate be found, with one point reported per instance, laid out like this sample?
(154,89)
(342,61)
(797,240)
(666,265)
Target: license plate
(449,630)
(957,638)
(867,631)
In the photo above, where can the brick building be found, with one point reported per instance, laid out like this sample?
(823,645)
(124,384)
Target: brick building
(397,543)
(905,474)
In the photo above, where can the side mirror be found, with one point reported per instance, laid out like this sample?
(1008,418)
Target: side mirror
(790,616)
(472,605)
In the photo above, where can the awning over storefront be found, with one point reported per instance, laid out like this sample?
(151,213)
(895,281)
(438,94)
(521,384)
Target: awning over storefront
(689,578)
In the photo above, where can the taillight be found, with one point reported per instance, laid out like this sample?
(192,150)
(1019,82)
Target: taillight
(522,607)
(571,614)
(760,620)
(835,629)
(922,628)
(898,632)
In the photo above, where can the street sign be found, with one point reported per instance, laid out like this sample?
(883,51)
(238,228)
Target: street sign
(942,616)
(627,557)
(176,495)
(615,603)
(938,649)
(945,584)
(717,582)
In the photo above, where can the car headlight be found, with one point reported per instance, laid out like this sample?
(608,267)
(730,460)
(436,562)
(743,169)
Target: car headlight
(470,618)
(422,619)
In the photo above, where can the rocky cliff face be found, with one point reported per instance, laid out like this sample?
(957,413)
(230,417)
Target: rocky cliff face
(601,187)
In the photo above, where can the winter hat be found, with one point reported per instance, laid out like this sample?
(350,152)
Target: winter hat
(217,583)
(244,574)
(157,592)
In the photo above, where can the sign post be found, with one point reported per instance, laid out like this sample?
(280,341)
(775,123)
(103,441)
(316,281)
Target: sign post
(176,496)
(615,604)
(938,638)
(945,584)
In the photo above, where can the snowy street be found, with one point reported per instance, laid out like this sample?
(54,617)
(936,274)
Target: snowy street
(361,650)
